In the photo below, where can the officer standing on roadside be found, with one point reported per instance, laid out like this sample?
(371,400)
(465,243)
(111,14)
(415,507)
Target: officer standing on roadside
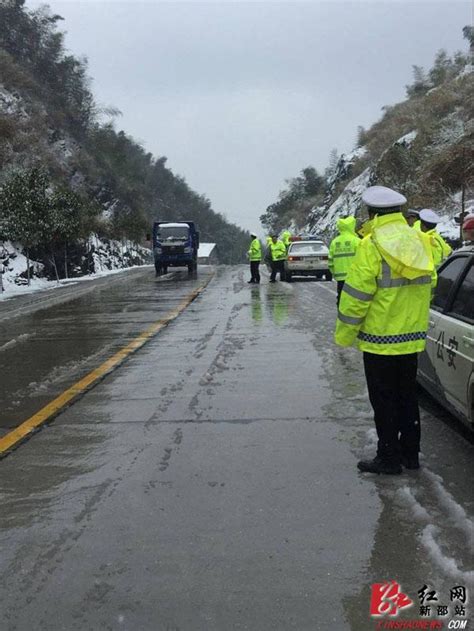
(278,250)
(429,220)
(384,308)
(413,218)
(286,238)
(342,251)
(255,256)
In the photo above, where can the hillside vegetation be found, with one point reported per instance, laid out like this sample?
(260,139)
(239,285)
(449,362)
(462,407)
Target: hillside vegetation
(64,172)
(423,147)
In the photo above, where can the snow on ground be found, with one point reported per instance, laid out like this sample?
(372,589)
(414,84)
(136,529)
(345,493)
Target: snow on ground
(42,284)
(348,202)
(448,228)
(407,139)
(108,260)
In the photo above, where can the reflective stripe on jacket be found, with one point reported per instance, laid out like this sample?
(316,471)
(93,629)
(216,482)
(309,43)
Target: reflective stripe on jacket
(343,248)
(380,310)
(255,251)
(278,251)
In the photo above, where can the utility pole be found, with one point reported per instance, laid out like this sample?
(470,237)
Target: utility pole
(463,196)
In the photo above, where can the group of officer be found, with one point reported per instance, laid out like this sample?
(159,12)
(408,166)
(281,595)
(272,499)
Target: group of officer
(343,248)
(384,287)
(277,250)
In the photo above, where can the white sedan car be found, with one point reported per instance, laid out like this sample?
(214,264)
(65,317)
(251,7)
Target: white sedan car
(446,367)
(307,258)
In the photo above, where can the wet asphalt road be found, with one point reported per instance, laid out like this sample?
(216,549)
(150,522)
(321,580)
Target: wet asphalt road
(210,482)
(51,339)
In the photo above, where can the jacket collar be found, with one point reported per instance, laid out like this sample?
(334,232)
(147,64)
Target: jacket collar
(382,220)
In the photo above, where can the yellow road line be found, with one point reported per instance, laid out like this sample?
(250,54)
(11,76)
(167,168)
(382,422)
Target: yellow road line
(52,409)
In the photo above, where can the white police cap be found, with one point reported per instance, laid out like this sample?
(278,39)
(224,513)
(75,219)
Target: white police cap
(429,216)
(382,197)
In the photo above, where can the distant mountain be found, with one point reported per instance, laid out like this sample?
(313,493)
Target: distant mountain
(423,147)
(51,132)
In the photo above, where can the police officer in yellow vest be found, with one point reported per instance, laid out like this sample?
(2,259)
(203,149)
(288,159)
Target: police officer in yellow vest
(342,251)
(384,309)
(429,220)
(255,256)
(286,238)
(278,251)
(413,218)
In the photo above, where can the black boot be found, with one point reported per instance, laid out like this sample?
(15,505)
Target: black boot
(411,461)
(379,465)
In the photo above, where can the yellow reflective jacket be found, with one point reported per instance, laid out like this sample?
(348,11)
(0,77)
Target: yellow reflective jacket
(255,251)
(278,251)
(343,248)
(365,229)
(385,301)
(285,237)
(440,248)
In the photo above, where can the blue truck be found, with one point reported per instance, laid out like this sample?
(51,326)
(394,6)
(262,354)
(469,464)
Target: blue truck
(175,245)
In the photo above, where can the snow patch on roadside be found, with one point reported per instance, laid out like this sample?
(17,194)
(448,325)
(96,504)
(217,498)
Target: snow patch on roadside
(108,258)
(447,564)
(21,338)
(456,515)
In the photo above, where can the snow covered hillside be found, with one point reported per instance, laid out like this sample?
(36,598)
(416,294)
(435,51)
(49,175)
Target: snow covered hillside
(99,257)
(422,147)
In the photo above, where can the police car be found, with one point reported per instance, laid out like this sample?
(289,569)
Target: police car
(446,367)
(307,256)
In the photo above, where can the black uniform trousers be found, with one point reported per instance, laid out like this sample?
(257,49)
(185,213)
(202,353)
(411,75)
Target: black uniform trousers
(391,381)
(254,271)
(278,267)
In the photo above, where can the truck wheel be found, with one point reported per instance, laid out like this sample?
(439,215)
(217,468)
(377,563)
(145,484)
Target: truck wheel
(289,277)
(165,269)
(158,269)
(328,276)
(190,268)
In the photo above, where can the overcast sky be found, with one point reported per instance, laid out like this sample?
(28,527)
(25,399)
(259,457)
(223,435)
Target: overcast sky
(242,95)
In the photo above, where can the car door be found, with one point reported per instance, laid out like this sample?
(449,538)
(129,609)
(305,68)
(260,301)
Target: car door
(452,333)
(448,276)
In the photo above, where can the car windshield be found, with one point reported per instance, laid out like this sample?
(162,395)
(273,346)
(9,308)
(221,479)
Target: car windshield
(173,233)
(313,247)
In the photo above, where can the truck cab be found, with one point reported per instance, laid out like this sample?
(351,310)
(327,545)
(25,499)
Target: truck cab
(175,245)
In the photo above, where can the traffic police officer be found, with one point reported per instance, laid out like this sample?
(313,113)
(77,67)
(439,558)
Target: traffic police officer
(342,251)
(286,238)
(255,256)
(384,308)
(413,218)
(429,220)
(278,251)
